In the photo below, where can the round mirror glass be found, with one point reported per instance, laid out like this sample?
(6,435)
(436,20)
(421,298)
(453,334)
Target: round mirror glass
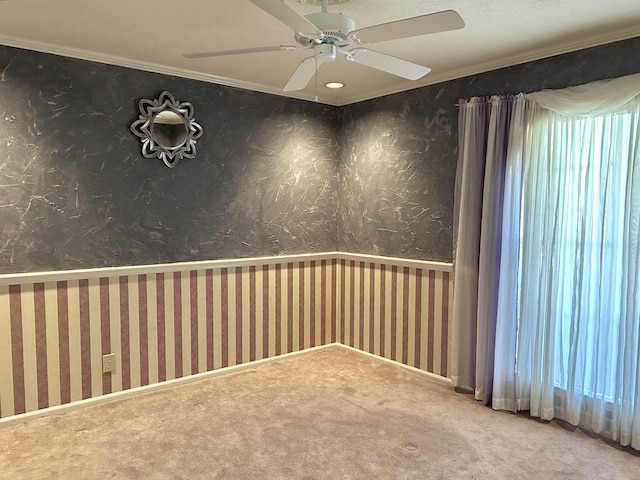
(169,129)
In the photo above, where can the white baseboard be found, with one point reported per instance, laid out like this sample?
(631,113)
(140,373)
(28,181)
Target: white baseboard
(110,397)
(429,375)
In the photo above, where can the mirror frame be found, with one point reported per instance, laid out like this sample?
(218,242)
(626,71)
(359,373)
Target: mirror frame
(151,146)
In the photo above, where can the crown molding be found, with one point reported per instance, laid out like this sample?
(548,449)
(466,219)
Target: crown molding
(118,61)
(431,79)
(510,61)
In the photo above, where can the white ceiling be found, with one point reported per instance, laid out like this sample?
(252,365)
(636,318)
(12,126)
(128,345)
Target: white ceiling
(153,35)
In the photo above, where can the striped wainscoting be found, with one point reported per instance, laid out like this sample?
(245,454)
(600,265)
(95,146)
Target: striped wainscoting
(398,312)
(161,326)
(166,322)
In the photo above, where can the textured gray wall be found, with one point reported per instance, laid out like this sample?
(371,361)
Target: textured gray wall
(272,176)
(399,152)
(75,191)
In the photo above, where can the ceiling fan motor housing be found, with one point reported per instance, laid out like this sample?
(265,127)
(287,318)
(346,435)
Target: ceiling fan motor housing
(334,26)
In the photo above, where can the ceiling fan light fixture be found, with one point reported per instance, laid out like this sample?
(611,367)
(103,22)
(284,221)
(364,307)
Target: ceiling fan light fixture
(334,84)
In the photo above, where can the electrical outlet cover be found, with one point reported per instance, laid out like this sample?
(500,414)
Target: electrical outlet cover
(109,363)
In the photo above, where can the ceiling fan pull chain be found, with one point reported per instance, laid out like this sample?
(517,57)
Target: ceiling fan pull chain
(315,60)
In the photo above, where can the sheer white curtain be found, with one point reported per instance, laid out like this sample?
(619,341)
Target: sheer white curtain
(567,317)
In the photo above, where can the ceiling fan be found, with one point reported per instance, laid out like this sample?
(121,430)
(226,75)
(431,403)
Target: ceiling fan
(329,34)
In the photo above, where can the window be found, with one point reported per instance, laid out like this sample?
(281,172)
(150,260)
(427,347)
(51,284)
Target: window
(577,292)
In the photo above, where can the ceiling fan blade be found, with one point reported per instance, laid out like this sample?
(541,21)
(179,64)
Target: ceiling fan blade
(302,75)
(222,53)
(409,27)
(387,63)
(288,16)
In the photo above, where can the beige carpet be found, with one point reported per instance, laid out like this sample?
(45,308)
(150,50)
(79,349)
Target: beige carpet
(331,414)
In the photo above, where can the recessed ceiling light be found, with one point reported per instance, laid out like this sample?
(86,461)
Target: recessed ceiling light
(334,85)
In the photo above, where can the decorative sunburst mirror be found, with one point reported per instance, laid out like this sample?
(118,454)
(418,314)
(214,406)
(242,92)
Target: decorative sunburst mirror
(167,129)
